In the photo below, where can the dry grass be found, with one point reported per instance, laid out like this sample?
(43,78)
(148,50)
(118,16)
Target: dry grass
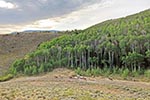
(63,84)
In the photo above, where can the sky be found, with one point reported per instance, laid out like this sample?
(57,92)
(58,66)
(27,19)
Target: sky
(20,15)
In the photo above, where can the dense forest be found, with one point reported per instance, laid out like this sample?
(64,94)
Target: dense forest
(114,44)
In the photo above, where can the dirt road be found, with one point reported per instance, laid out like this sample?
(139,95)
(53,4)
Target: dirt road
(63,84)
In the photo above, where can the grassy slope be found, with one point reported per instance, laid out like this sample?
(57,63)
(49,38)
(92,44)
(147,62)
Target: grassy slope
(14,46)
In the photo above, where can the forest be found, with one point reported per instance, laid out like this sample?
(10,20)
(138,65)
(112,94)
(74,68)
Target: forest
(118,46)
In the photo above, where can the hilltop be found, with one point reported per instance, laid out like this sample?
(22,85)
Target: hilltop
(15,46)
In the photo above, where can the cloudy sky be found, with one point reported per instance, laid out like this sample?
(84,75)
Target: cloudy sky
(19,15)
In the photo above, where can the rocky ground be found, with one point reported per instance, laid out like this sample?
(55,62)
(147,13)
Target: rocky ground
(64,84)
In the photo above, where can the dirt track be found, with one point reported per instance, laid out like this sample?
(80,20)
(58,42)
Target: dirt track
(63,84)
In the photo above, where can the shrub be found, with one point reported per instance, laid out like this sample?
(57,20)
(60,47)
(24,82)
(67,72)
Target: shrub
(107,71)
(78,70)
(26,70)
(6,77)
(115,70)
(88,72)
(147,73)
(135,73)
(96,71)
(125,73)
(17,66)
(34,70)
(41,69)
(13,71)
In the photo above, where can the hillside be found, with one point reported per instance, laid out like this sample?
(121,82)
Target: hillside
(118,46)
(14,46)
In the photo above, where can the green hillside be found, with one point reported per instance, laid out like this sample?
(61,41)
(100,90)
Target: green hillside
(116,45)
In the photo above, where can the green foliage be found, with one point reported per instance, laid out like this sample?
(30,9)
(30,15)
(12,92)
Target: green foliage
(148,53)
(116,70)
(133,59)
(13,70)
(88,72)
(6,77)
(125,73)
(136,73)
(17,66)
(147,73)
(82,72)
(34,70)
(78,70)
(96,71)
(28,70)
(107,71)
(41,69)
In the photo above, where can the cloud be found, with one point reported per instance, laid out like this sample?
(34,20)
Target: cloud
(66,21)
(7,5)
(5,29)
(31,10)
(44,24)
(91,14)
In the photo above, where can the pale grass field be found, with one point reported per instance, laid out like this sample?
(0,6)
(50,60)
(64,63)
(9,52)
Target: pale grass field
(64,84)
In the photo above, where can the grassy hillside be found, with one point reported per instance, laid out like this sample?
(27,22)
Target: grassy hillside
(14,46)
(114,46)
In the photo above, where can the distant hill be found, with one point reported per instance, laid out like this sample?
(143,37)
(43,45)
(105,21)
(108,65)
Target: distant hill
(30,31)
(35,31)
(14,46)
